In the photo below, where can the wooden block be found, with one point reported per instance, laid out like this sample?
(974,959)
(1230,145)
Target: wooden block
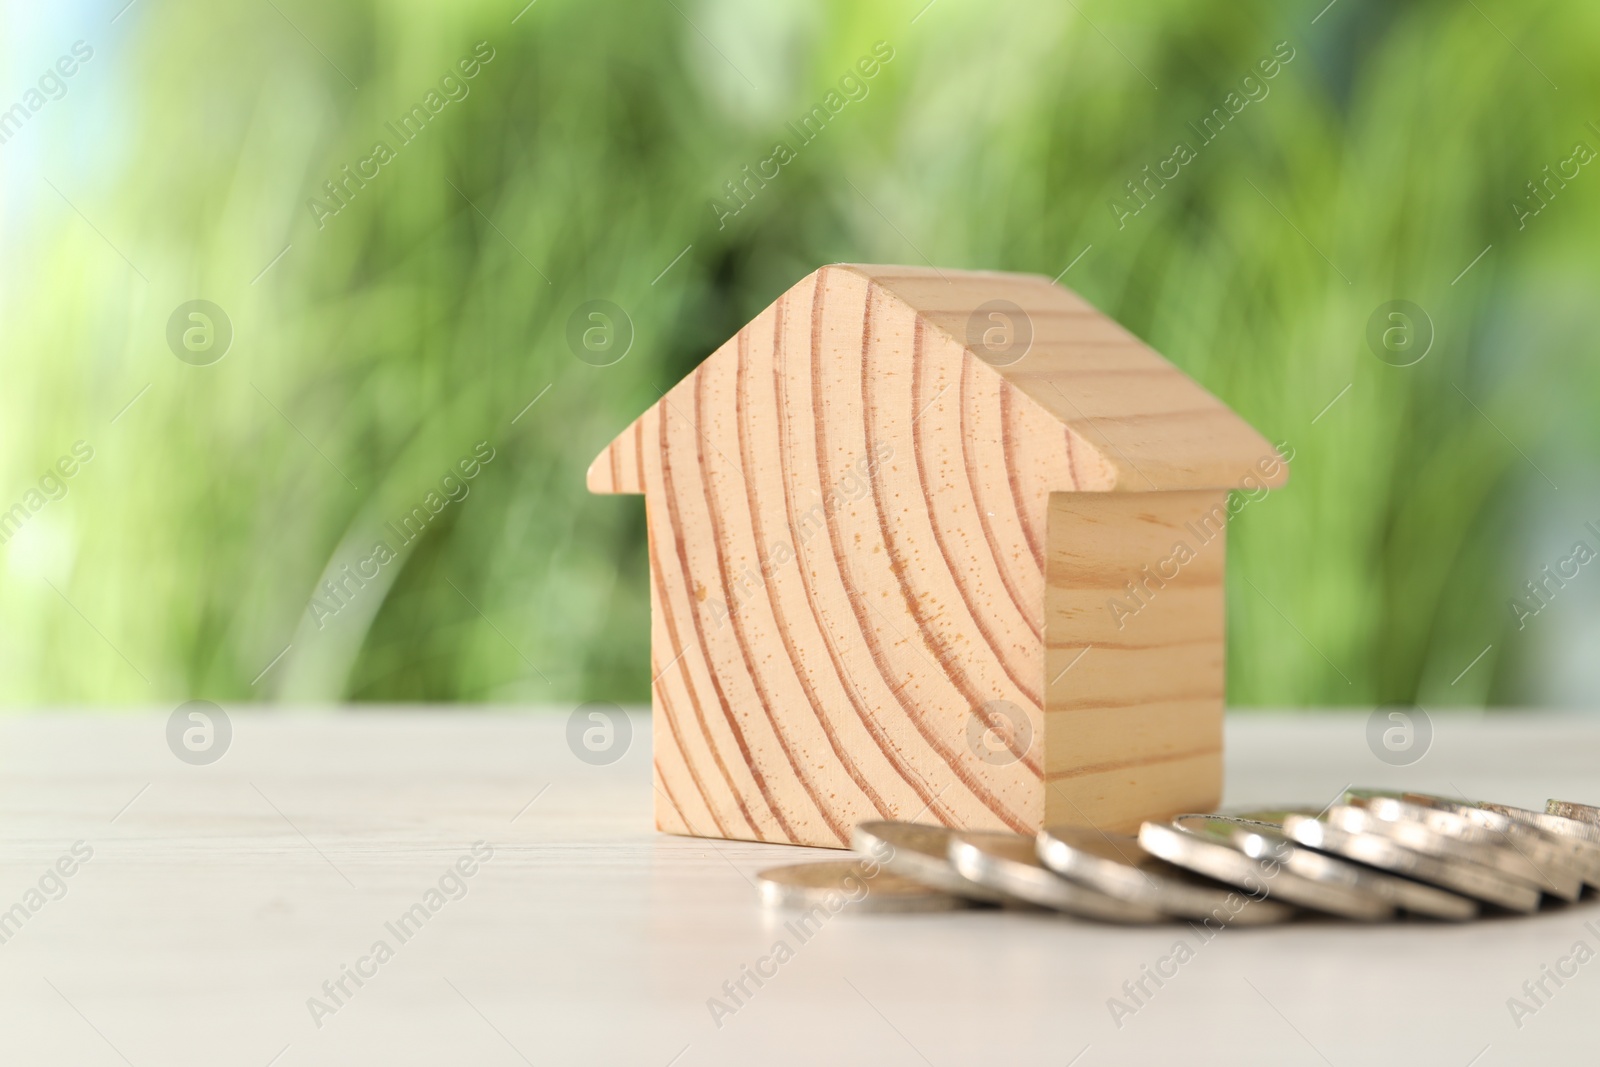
(1134,599)
(851,518)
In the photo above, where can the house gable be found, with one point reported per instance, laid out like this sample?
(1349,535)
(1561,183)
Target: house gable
(1137,423)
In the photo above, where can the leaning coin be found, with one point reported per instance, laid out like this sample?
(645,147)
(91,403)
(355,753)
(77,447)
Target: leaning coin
(1573,828)
(919,852)
(1208,845)
(1437,831)
(1381,879)
(1549,822)
(839,885)
(1414,897)
(1573,835)
(1568,809)
(1355,834)
(1009,864)
(1116,866)
(1539,846)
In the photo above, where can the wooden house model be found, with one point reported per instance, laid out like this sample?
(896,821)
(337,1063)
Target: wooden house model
(943,546)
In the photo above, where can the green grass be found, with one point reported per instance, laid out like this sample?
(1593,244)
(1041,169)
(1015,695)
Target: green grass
(424,316)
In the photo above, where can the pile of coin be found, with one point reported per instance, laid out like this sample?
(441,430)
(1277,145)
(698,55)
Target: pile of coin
(1372,855)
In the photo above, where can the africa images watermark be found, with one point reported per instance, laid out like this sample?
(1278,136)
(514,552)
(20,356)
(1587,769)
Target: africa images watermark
(853,87)
(1542,590)
(1536,992)
(850,487)
(51,886)
(802,928)
(341,189)
(52,486)
(52,85)
(1137,991)
(451,886)
(341,590)
(1543,190)
(1142,589)
(1142,191)
(599,732)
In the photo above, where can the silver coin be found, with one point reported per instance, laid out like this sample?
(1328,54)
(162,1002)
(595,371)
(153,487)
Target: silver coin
(1538,845)
(1437,830)
(919,852)
(1566,829)
(1116,866)
(1411,896)
(1550,822)
(848,885)
(1357,834)
(1009,863)
(1216,846)
(1581,831)
(1568,809)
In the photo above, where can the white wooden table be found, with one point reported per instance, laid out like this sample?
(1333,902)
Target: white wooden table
(219,899)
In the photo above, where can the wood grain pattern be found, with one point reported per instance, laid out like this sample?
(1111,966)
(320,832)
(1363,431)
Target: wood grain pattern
(1134,609)
(851,517)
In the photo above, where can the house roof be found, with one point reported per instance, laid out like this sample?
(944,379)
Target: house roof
(1139,423)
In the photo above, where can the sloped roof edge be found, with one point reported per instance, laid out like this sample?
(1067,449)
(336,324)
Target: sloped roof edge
(1154,425)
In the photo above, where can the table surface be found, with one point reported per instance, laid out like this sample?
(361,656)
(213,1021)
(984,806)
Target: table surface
(219,899)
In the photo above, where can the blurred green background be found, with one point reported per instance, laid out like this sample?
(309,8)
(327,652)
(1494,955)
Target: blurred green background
(374,347)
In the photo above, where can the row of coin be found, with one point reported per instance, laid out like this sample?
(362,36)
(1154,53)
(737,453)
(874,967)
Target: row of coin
(1372,855)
